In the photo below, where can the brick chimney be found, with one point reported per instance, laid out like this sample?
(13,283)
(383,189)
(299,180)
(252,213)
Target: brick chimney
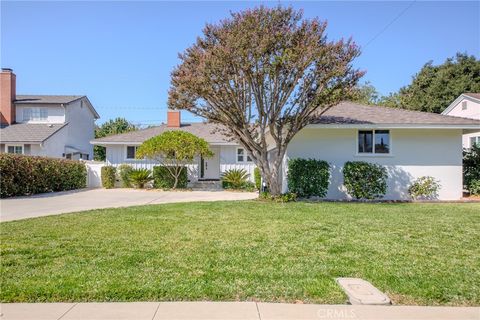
(7,96)
(173,119)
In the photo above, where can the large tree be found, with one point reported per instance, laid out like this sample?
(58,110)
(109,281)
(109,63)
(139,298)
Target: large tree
(111,127)
(436,86)
(263,74)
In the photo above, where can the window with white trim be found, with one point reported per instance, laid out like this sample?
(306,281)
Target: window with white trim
(15,149)
(35,114)
(131,152)
(374,141)
(242,156)
(475,141)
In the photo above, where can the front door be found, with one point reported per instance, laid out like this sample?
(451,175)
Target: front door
(210,168)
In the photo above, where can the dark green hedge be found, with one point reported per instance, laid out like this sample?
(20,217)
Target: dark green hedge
(365,180)
(162,179)
(25,175)
(308,177)
(108,177)
(257,176)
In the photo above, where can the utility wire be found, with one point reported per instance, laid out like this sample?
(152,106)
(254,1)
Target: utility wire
(390,23)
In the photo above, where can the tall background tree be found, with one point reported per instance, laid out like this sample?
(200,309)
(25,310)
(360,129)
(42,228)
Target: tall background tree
(263,74)
(436,86)
(112,126)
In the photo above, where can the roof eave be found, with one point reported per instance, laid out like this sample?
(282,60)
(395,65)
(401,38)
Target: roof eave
(394,126)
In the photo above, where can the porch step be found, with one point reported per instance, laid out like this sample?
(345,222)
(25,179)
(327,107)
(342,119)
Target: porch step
(207,185)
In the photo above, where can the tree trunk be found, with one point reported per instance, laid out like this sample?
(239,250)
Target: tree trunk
(271,175)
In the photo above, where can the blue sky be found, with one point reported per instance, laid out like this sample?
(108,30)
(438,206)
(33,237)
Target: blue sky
(120,54)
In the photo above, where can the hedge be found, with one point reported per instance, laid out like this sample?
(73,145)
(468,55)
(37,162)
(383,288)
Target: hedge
(108,177)
(308,177)
(257,176)
(22,175)
(365,180)
(162,179)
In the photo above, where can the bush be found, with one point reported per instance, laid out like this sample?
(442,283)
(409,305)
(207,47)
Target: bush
(365,180)
(108,177)
(308,177)
(25,175)
(235,179)
(257,176)
(471,166)
(424,188)
(124,171)
(163,179)
(474,187)
(284,197)
(140,177)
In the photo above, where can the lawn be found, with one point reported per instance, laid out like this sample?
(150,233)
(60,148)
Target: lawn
(424,254)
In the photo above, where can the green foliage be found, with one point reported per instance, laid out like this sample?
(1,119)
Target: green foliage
(257,176)
(235,179)
(365,93)
(436,86)
(163,179)
(471,166)
(308,177)
(124,171)
(108,177)
(174,150)
(140,177)
(365,180)
(282,198)
(425,187)
(111,127)
(25,175)
(474,187)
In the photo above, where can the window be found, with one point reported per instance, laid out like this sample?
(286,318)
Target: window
(242,156)
(35,114)
(131,152)
(15,149)
(374,141)
(464,105)
(475,141)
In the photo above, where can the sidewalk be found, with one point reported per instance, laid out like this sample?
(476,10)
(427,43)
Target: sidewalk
(226,310)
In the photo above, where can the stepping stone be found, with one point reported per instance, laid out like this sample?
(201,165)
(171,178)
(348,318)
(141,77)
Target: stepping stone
(362,292)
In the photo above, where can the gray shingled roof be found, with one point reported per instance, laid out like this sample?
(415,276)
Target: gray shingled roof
(28,132)
(355,113)
(45,99)
(473,95)
(207,131)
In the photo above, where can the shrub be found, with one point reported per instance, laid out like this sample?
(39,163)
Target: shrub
(308,177)
(284,197)
(163,179)
(471,166)
(235,179)
(108,177)
(25,175)
(474,187)
(424,188)
(365,180)
(140,177)
(124,171)
(257,176)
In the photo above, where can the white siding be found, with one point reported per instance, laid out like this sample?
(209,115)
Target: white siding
(81,126)
(228,161)
(414,153)
(472,111)
(56,114)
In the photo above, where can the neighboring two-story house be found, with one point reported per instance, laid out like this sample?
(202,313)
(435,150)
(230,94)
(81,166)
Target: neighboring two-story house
(467,105)
(45,125)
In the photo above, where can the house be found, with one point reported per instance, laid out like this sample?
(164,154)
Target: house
(467,105)
(410,144)
(45,125)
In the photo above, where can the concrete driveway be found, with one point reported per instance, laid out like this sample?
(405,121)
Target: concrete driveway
(87,199)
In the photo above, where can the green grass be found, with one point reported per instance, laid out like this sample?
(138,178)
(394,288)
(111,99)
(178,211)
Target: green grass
(424,254)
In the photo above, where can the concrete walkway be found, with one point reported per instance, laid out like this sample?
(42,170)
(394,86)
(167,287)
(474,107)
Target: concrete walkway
(87,199)
(225,310)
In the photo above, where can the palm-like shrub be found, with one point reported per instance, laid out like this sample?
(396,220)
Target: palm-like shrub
(140,177)
(235,179)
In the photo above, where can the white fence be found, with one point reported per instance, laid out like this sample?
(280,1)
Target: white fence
(94,174)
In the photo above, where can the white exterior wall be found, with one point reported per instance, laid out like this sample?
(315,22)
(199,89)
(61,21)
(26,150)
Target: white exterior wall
(56,114)
(81,127)
(472,111)
(414,153)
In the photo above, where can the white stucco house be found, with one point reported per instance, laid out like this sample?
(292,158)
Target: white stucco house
(467,105)
(409,144)
(45,125)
